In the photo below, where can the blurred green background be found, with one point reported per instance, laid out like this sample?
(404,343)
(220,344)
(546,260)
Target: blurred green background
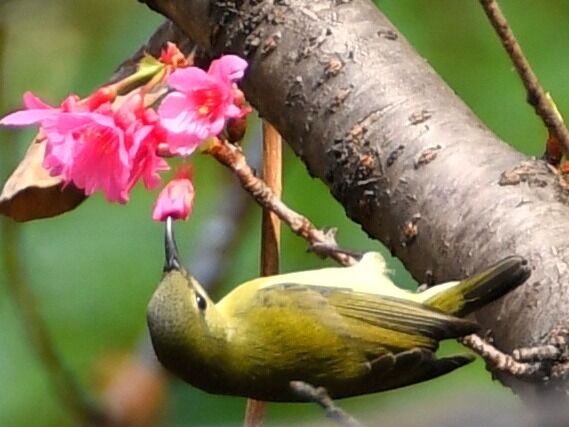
(94,269)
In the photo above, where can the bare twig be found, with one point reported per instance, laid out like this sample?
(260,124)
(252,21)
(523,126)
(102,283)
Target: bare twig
(536,95)
(496,360)
(320,396)
(232,157)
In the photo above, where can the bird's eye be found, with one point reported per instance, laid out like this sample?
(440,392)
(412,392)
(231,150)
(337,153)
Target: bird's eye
(201,302)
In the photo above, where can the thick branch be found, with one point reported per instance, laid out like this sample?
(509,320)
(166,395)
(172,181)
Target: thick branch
(398,149)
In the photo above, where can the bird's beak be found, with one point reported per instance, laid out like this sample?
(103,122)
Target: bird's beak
(172,261)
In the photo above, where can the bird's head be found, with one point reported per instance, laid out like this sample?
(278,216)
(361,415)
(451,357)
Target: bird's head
(180,312)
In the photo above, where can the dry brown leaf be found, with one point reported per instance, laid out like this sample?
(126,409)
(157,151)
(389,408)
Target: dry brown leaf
(31,193)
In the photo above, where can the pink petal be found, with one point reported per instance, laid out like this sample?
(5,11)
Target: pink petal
(69,122)
(27,117)
(70,104)
(233,111)
(184,79)
(179,119)
(32,102)
(130,110)
(183,144)
(146,163)
(173,105)
(228,67)
(217,126)
(101,162)
(150,175)
(59,155)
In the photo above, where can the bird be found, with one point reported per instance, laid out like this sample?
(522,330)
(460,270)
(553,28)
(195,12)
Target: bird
(349,329)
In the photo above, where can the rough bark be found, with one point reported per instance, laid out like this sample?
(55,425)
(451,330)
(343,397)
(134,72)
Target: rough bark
(399,150)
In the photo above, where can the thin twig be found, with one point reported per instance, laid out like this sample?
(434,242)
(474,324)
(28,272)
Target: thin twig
(320,396)
(496,360)
(536,95)
(232,157)
(66,386)
(256,411)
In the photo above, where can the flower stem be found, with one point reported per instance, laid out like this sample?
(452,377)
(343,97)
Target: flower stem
(148,71)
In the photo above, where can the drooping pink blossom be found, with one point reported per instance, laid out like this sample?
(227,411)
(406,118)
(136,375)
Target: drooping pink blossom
(94,145)
(176,199)
(201,103)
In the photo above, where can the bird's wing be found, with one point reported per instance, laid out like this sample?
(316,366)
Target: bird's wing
(375,319)
(412,366)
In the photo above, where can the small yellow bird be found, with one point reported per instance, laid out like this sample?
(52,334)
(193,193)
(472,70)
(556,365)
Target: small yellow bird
(348,329)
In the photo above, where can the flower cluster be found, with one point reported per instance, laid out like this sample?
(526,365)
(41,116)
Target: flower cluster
(108,143)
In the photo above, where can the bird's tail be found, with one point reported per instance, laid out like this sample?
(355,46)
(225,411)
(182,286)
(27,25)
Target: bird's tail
(466,296)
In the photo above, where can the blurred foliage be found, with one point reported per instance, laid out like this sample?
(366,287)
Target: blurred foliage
(93,270)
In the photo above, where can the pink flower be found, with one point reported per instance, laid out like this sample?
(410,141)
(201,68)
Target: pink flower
(176,199)
(201,103)
(95,157)
(94,146)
